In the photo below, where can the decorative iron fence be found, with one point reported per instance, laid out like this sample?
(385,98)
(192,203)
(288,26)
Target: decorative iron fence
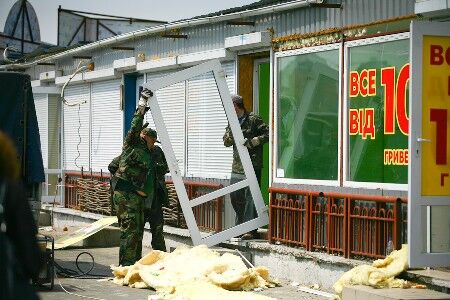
(89,191)
(82,188)
(337,223)
(209,215)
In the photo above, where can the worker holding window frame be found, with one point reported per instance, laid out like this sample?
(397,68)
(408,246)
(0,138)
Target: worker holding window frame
(256,134)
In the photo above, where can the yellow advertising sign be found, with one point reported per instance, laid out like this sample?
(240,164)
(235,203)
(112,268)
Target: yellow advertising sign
(435,116)
(83,233)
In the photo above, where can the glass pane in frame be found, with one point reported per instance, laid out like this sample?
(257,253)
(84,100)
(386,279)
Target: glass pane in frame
(308,106)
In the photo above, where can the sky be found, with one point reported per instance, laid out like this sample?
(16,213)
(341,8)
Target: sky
(167,10)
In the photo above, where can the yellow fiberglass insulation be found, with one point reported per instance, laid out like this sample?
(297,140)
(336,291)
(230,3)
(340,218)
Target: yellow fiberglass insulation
(172,273)
(381,274)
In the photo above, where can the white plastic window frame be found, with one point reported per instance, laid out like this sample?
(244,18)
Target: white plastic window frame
(262,219)
(419,207)
(346,163)
(275,177)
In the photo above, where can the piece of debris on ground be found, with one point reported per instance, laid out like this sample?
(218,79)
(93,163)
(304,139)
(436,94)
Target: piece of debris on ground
(381,274)
(193,272)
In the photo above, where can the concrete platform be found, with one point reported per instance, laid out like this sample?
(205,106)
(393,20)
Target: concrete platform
(285,263)
(435,279)
(107,290)
(360,292)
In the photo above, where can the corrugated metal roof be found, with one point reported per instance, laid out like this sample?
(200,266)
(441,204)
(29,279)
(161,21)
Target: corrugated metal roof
(212,35)
(258,4)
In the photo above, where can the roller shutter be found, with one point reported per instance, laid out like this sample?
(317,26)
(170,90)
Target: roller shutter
(206,122)
(172,104)
(107,122)
(76,128)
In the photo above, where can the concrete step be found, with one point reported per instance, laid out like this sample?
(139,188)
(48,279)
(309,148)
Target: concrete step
(359,292)
(438,280)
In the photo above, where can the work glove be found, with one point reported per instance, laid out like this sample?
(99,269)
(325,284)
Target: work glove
(145,95)
(228,137)
(246,132)
(252,143)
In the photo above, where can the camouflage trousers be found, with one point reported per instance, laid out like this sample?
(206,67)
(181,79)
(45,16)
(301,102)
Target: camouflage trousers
(130,213)
(154,216)
(242,200)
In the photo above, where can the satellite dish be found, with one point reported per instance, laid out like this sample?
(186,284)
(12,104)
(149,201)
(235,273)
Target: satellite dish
(22,22)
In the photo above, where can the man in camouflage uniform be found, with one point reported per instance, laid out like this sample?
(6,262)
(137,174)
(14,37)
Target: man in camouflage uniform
(153,203)
(132,185)
(112,168)
(256,133)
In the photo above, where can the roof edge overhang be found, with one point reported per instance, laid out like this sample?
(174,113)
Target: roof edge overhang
(164,28)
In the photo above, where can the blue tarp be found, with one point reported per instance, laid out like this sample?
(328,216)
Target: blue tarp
(18,120)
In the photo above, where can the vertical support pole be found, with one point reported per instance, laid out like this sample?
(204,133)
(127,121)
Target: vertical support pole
(309,222)
(271,195)
(381,231)
(66,190)
(219,210)
(345,229)
(396,234)
(349,236)
(329,228)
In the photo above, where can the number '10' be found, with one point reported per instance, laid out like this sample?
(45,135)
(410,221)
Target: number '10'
(395,99)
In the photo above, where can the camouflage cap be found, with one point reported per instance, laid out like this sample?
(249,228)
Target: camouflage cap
(150,132)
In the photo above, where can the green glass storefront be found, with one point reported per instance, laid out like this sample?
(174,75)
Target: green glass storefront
(377,105)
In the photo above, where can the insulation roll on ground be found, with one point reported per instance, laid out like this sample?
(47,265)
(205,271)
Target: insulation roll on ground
(192,272)
(381,274)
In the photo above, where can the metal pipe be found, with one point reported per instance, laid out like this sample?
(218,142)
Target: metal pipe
(170,26)
(78,70)
(244,258)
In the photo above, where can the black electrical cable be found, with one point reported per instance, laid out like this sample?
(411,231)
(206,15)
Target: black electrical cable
(79,137)
(80,274)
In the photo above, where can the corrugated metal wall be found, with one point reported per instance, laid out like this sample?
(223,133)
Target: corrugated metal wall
(302,20)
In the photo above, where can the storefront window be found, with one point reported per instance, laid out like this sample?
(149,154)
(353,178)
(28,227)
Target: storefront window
(377,113)
(308,104)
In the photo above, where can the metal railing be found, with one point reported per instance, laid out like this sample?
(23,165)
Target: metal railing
(209,216)
(73,191)
(337,223)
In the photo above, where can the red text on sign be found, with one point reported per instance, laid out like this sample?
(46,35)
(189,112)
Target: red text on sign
(395,99)
(439,54)
(440,117)
(396,157)
(363,83)
(362,122)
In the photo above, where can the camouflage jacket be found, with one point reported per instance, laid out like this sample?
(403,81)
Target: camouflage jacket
(135,159)
(252,126)
(160,168)
(112,168)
